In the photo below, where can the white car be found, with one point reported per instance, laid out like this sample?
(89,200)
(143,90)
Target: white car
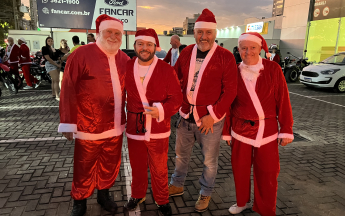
(330,73)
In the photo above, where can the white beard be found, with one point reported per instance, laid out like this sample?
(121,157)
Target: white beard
(108,48)
(251,72)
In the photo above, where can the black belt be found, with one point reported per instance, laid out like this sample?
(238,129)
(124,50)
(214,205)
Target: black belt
(141,121)
(191,115)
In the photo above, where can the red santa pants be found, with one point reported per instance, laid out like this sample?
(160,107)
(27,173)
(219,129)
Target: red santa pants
(155,155)
(28,77)
(96,165)
(266,170)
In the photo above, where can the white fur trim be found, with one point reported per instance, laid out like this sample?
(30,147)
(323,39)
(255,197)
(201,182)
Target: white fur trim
(117,91)
(104,135)
(210,110)
(254,142)
(184,115)
(64,127)
(250,86)
(201,72)
(152,136)
(249,37)
(146,38)
(286,135)
(110,24)
(161,111)
(226,138)
(142,92)
(205,25)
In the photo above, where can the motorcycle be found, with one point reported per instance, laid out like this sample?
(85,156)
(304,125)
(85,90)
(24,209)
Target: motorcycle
(292,68)
(8,79)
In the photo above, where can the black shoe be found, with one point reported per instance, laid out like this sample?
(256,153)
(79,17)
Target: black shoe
(133,203)
(103,198)
(165,210)
(79,208)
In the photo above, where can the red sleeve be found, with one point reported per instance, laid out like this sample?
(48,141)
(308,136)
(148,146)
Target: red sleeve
(174,96)
(283,105)
(68,95)
(227,127)
(167,58)
(229,89)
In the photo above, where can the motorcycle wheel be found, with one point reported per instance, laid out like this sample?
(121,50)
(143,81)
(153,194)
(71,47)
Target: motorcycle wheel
(48,78)
(17,81)
(10,85)
(291,75)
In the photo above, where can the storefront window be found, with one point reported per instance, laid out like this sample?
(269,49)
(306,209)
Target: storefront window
(322,39)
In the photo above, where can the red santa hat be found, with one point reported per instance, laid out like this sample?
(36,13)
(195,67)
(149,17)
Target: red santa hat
(148,35)
(257,38)
(206,20)
(104,22)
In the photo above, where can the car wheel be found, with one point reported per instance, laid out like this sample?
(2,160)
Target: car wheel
(339,86)
(291,75)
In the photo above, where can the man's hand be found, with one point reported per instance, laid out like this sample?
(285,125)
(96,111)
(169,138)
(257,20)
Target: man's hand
(229,142)
(68,135)
(206,124)
(284,141)
(154,112)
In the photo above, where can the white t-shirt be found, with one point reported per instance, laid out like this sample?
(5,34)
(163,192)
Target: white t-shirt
(198,64)
(174,56)
(143,71)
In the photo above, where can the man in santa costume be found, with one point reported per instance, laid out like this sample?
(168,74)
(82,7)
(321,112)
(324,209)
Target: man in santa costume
(208,76)
(173,53)
(153,96)
(12,56)
(92,110)
(262,100)
(25,62)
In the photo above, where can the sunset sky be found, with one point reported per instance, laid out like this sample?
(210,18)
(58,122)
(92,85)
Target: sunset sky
(165,14)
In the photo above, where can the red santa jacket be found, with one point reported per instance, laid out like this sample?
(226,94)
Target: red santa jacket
(14,55)
(24,54)
(167,58)
(161,89)
(255,110)
(276,58)
(216,85)
(92,96)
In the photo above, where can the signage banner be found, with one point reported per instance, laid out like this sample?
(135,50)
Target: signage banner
(82,14)
(255,27)
(328,9)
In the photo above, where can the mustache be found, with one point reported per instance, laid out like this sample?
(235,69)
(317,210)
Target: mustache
(144,51)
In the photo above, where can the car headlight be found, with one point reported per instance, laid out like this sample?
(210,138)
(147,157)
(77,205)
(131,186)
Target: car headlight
(330,72)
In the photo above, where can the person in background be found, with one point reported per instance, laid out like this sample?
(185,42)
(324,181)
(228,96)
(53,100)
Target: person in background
(221,45)
(91,38)
(64,51)
(216,41)
(182,47)
(173,53)
(25,62)
(275,55)
(76,41)
(82,43)
(12,56)
(237,54)
(52,65)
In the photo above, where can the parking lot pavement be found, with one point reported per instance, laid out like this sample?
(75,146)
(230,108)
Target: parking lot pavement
(36,163)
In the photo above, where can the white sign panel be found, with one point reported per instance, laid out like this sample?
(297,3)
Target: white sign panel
(255,27)
(82,14)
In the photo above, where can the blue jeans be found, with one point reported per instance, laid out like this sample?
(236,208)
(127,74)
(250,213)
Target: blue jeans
(209,144)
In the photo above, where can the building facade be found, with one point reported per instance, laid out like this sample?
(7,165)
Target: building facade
(278,8)
(188,24)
